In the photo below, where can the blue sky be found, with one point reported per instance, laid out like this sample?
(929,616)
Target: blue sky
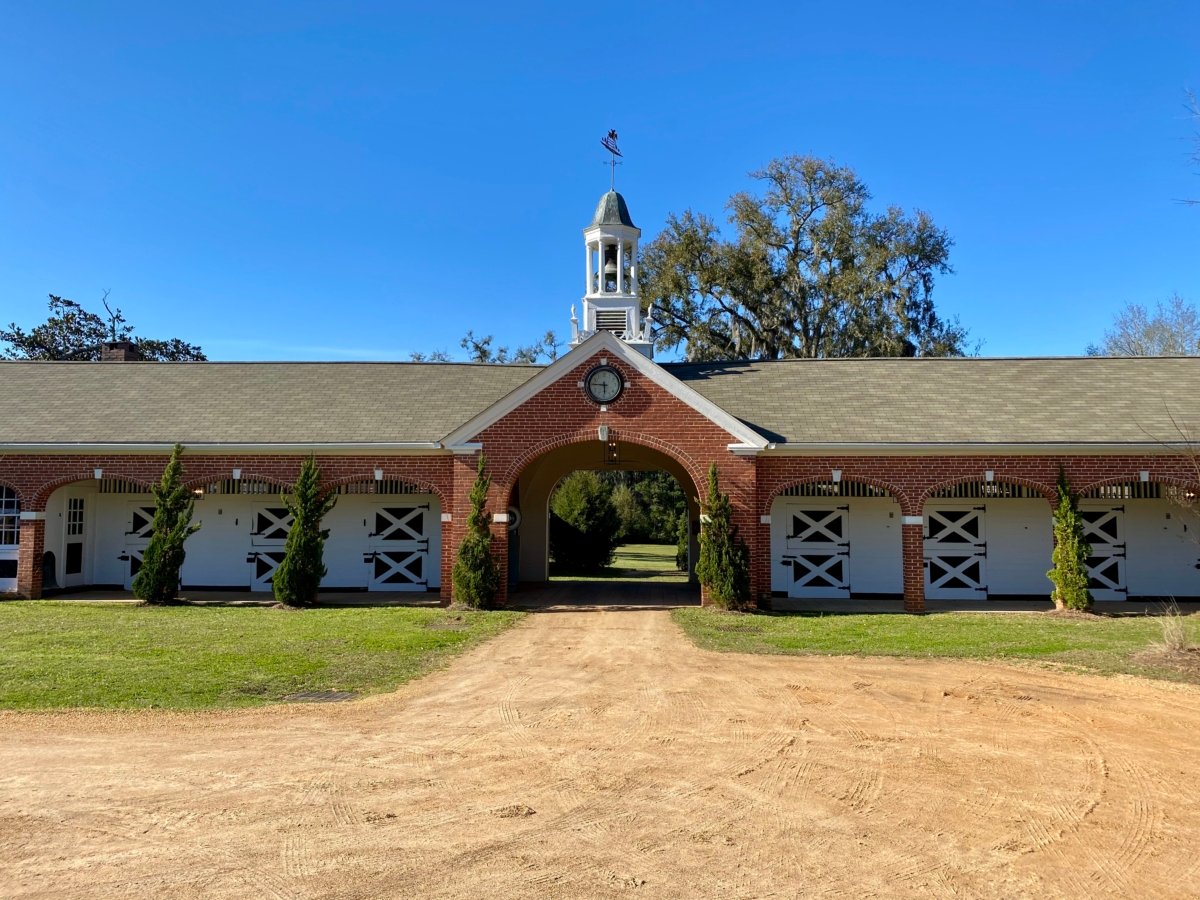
(359,181)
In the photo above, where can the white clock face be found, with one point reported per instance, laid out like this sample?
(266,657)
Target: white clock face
(604,384)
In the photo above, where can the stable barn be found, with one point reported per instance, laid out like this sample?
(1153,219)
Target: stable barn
(851,479)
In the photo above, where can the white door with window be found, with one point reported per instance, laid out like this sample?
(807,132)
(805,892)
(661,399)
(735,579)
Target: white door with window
(269,530)
(1104,530)
(139,523)
(955,553)
(399,546)
(817,551)
(75,541)
(10,538)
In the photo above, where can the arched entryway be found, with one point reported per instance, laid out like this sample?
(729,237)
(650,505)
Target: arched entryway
(988,539)
(836,540)
(1144,537)
(529,495)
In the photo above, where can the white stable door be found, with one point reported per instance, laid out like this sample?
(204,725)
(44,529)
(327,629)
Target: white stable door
(139,522)
(269,530)
(818,551)
(955,552)
(1104,530)
(399,547)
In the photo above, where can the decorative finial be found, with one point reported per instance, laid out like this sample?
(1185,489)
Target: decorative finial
(610,144)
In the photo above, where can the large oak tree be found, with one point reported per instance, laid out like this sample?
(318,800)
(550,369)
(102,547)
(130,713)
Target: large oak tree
(810,271)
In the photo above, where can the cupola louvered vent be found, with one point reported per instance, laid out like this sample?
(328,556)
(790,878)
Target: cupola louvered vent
(614,320)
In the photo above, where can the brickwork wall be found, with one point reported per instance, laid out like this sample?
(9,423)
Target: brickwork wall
(645,414)
(561,415)
(912,479)
(36,477)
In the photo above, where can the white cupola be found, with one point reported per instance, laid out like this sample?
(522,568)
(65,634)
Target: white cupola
(610,295)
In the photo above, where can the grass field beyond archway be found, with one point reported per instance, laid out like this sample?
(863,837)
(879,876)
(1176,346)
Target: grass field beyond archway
(636,562)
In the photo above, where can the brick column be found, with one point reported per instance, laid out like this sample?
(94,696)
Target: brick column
(29,556)
(461,479)
(913,542)
(760,563)
(500,547)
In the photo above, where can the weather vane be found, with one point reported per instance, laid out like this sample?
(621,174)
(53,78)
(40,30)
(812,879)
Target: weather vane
(610,144)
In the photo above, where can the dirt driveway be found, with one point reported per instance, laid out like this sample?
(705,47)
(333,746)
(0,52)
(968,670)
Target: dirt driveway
(593,754)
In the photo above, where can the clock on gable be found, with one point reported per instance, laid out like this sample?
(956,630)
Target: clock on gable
(603,384)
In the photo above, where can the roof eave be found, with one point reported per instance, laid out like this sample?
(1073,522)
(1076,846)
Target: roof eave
(974,448)
(202,447)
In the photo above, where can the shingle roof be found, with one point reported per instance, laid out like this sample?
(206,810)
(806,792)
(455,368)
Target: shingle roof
(1060,400)
(843,401)
(198,403)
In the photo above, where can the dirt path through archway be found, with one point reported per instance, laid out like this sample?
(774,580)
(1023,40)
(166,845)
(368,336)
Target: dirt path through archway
(598,753)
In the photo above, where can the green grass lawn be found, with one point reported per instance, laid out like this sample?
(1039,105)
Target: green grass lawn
(1099,644)
(188,657)
(634,562)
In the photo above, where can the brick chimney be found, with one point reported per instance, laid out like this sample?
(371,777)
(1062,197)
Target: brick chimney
(119,351)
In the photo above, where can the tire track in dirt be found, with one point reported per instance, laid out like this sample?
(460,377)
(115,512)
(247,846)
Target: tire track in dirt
(598,754)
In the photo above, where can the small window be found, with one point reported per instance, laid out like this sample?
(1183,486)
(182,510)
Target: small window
(74,516)
(10,518)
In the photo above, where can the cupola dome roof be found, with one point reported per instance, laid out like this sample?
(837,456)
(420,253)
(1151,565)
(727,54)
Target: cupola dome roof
(611,210)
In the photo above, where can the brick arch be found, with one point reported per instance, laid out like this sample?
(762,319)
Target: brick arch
(369,475)
(1170,480)
(42,495)
(201,480)
(1049,493)
(508,478)
(775,490)
(16,490)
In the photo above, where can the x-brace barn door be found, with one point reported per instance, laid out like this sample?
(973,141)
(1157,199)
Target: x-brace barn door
(1104,530)
(399,554)
(955,553)
(137,536)
(271,525)
(818,551)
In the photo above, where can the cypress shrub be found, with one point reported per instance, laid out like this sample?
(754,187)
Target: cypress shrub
(1071,552)
(724,564)
(157,581)
(298,577)
(475,576)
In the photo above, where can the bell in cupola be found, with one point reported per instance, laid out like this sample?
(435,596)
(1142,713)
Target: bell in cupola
(610,268)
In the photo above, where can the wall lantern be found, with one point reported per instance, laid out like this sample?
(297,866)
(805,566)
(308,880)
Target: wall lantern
(837,475)
(602,431)
(379,474)
(989,476)
(1144,475)
(97,474)
(237,474)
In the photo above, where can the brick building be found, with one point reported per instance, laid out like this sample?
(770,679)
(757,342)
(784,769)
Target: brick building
(927,479)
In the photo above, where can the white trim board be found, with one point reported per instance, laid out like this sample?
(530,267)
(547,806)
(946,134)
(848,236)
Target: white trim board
(603,341)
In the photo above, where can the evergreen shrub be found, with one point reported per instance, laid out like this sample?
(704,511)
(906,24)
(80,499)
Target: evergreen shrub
(724,564)
(157,582)
(475,576)
(298,578)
